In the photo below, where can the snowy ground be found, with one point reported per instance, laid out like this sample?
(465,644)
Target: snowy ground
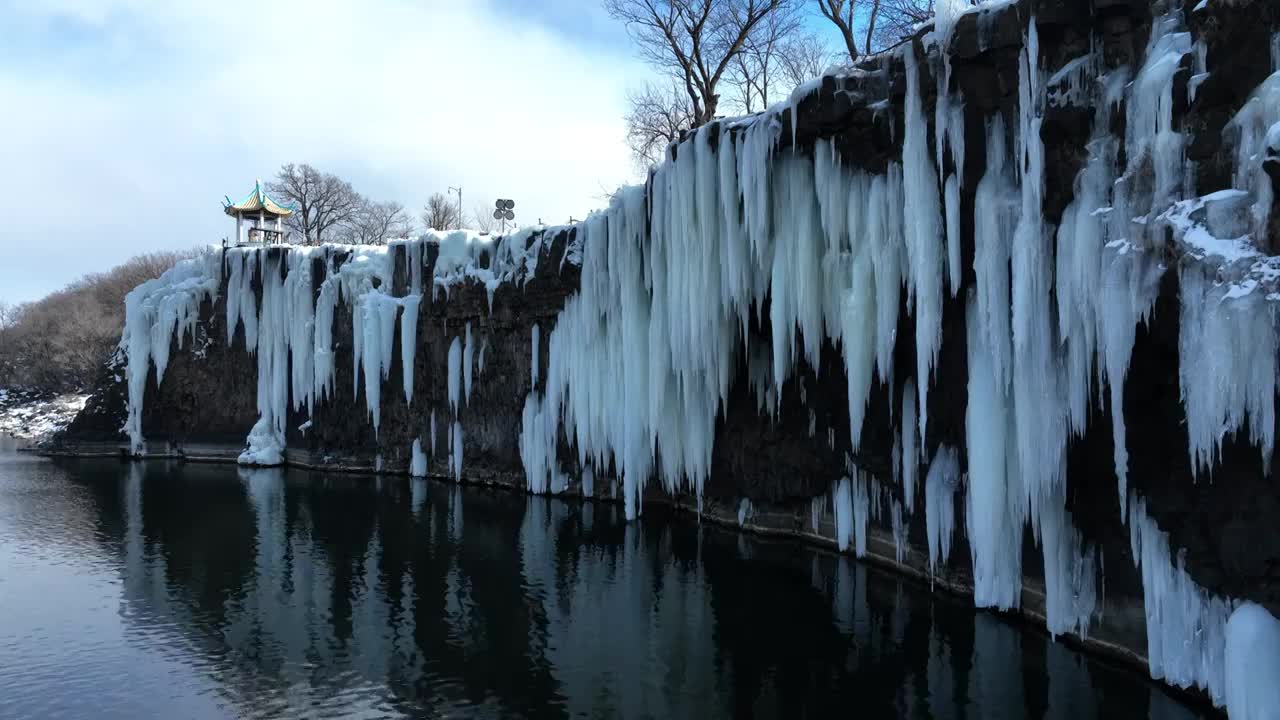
(31,416)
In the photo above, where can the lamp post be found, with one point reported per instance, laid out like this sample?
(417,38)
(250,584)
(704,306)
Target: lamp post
(458,190)
(502,211)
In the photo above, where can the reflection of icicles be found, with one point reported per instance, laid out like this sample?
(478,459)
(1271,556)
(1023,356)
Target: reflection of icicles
(1068,672)
(455,512)
(994,681)
(418,495)
(940,675)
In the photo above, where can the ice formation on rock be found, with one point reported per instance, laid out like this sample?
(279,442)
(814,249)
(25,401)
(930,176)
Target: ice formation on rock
(939,502)
(270,304)
(735,254)
(1252,659)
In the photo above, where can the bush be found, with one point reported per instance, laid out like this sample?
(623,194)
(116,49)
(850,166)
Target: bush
(58,343)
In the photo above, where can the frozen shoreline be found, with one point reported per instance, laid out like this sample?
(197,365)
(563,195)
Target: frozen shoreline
(35,417)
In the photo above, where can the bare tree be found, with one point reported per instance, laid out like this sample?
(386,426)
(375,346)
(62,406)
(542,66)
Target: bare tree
(693,40)
(440,213)
(58,343)
(655,119)
(841,14)
(8,314)
(754,72)
(376,222)
(801,58)
(323,202)
(482,219)
(881,23)
(899,18)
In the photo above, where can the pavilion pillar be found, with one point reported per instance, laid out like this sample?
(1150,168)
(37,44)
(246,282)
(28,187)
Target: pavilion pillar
(239,237)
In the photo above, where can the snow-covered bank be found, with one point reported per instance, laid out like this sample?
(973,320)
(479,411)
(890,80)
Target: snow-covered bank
(36,417)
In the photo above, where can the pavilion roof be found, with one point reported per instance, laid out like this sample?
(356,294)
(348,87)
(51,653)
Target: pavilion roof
(257,202)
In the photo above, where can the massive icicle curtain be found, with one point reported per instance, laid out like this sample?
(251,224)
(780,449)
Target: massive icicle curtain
(668,291)
(641,359)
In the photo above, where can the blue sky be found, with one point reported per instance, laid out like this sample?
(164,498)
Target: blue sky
(125,122)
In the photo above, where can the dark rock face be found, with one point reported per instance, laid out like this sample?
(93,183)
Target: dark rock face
(780,461)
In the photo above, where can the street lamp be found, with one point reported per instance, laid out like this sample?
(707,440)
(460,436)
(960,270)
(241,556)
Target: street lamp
(503,212)
(458,190)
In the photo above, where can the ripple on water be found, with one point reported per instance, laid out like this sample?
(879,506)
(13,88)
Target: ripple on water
(157,590)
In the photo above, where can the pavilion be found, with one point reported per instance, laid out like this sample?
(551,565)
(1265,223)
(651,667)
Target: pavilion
(258,209)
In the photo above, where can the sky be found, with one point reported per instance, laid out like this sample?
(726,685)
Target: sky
(124,123)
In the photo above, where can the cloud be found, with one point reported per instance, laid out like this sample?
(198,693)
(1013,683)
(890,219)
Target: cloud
(123,122)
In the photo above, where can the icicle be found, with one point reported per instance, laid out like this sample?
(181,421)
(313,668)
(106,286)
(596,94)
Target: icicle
(994,221)
(409,342)
(455,454)
(418,461)
(910,456)
(1252,660)
(946,14)
(993,516)
(1186,625)
(899,532)
(1039,403)
(468,349)
(1070,580)
(535,354)
(862,508)
(1228,350)
(939,505)
(455,374)
(923,236)
(1256,131)
(154,312)
(842,510)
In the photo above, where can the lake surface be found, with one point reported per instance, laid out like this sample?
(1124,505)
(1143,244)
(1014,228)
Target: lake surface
(200,591)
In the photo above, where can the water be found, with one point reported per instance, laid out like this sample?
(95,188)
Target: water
(159,590)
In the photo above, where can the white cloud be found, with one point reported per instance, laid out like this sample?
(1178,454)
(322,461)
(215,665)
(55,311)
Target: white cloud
(121,130)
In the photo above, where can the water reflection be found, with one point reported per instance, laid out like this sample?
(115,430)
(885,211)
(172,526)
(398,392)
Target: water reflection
(209,591)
